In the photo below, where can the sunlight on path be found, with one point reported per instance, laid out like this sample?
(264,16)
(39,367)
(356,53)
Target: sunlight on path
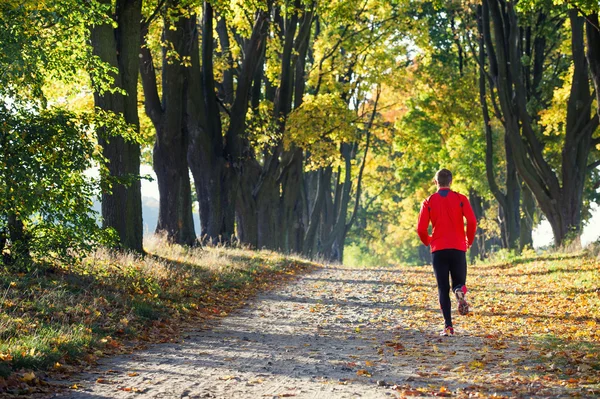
(344,333)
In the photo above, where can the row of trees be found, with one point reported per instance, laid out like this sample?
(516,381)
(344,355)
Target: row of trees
(305,124)
(243,95)
(504,90)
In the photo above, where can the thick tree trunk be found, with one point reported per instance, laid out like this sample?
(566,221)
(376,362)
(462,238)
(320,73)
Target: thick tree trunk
(246,208)
(120,47)
(170,149)
(561,205)
(291,203)
(215,158)
(509,202)
(513,198)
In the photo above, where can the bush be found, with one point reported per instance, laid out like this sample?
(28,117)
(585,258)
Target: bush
(45,196)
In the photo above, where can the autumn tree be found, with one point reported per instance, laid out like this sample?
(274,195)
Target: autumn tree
(521,46)
(116,42)
(168,115)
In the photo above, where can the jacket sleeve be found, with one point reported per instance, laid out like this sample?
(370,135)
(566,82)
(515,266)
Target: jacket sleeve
(471,221)
(423,224)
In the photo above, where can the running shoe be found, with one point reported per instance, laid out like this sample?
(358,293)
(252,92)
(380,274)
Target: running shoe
(463,306)
(448,332)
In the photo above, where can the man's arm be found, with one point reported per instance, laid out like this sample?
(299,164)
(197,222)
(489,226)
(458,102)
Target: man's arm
(423,224)
(471,221)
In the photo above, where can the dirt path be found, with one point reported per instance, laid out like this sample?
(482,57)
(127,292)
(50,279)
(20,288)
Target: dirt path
(335,333)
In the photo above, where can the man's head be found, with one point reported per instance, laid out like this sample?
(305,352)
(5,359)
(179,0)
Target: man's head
(443,178)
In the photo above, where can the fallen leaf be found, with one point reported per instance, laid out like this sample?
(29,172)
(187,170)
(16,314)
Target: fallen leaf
(28,377)
(363,372)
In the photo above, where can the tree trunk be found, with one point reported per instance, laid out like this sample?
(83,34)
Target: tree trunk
(291,202)
(246,207)
(478,247)
(119,47)
(528,207)
(509,202)
(333,245)
(513,198)
(215,158)
(592,31)
(20,253)
(324,180)
(561,205)
(170,149)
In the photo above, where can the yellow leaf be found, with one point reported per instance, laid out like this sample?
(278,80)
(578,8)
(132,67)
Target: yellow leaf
(363,372)
(28,377)
(476,364)
(369,363)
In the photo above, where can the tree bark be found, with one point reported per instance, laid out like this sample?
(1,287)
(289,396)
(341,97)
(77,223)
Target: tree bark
(592,31)
(561,204)
(528,207)
(216,158)
(509,202)
(119,47)
(324,179)
(478,249)
(170,149)
(206,158)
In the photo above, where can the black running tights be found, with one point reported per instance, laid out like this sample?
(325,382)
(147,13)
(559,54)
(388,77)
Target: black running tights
(451,262)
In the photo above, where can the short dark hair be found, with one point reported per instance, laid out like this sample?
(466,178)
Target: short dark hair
(443,177)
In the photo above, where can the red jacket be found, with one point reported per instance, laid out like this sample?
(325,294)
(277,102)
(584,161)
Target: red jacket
(446,209)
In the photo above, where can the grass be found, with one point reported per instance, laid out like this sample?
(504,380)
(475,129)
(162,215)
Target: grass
(64,315)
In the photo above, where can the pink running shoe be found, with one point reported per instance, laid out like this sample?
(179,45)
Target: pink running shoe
(463,306)
(448,332)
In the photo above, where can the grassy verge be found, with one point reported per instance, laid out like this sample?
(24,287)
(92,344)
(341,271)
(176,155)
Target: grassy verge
(65,316)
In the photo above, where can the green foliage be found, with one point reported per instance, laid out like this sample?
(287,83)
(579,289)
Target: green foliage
(46,40)
(43,157)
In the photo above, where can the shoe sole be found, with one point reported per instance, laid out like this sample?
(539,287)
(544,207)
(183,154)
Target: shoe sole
(463,306)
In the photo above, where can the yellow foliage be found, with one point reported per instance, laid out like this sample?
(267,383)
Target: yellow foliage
(321,123)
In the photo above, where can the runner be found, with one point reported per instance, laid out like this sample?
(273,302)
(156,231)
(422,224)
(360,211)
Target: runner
(445,210)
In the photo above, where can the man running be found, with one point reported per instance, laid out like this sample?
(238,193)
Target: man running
(445,210)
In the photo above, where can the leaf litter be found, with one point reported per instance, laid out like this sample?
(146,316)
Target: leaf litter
(342,332)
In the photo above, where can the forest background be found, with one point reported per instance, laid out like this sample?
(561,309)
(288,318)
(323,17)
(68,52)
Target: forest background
(301,126)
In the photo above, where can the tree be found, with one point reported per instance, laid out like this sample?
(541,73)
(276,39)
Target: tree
(509,200)
(119,48)
(169,119)
(517,86)
(45,197)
